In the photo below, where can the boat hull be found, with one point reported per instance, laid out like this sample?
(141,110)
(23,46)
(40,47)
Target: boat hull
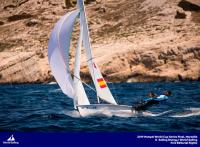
(104,109)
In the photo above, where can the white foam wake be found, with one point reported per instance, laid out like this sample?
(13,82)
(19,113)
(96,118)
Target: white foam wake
(188,113)
(148,113)
(73,113)
(119,113)
(52,83)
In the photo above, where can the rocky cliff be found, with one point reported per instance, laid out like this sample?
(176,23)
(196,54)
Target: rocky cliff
(137,40)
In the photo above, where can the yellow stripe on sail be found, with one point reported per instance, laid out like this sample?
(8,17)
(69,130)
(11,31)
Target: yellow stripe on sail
(102,83)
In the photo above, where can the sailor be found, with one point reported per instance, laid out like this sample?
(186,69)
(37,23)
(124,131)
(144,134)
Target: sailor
(165,96)
(150,96)
(152,99)
(142,105)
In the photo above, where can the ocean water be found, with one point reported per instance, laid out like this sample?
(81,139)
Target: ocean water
(44,108)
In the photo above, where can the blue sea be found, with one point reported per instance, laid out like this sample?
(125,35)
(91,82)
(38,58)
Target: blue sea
(44,108)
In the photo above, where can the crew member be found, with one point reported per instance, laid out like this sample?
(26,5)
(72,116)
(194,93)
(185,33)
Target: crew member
(152,99)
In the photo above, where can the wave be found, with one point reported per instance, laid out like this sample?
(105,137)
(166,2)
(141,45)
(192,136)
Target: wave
(148,113)
(188,113)
(55,90)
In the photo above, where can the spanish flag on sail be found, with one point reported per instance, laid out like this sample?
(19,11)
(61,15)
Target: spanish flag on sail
(101,83)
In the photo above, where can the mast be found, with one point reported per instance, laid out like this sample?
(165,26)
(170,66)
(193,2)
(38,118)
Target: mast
(77,68)
(80,95)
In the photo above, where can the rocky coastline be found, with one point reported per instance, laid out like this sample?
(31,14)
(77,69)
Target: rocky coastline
(132,41)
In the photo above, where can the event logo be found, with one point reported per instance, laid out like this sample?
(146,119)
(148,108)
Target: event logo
(10,140)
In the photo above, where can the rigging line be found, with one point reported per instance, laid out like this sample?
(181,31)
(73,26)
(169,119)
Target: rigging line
(82,81)
(90,59)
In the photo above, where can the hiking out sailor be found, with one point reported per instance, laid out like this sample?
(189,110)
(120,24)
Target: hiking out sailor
(152,99)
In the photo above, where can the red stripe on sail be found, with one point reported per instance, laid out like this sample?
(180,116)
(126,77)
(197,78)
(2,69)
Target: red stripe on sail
(100,80)
(103,86)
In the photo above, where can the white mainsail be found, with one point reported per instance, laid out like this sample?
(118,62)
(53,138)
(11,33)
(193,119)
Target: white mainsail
(80,95)
(103,91)
(58,52)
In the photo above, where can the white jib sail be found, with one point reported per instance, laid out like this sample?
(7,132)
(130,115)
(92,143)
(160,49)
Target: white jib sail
(80,95)
(58,52)
(103,91)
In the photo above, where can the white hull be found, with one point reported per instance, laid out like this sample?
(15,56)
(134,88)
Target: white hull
(104,109)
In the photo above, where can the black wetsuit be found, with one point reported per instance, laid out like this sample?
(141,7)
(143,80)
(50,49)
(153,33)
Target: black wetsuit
(141,106)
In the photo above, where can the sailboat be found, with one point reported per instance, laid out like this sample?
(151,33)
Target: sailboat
(71,83)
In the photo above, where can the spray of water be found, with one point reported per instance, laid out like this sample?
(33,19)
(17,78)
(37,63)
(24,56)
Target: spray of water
(119,113)
(189,112)
(73,113)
